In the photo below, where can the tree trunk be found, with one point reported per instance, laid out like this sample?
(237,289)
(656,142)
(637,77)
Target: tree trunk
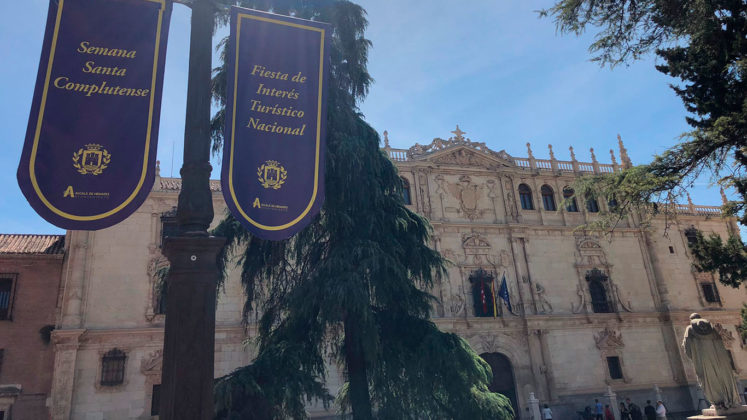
(360,400)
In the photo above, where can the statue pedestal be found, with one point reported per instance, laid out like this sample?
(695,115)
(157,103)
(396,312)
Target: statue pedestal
(734,413)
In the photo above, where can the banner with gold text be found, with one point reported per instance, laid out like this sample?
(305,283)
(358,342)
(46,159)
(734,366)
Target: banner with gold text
(89,156)
(273,157)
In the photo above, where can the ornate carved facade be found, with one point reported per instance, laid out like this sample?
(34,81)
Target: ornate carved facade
(588,312)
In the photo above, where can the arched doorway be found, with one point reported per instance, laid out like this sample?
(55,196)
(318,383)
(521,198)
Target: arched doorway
(503,377)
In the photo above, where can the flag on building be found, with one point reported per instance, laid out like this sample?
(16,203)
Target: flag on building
(503,293)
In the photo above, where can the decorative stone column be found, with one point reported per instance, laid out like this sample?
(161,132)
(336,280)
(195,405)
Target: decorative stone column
(66,343)
(534,407)
(8,395)
(612,400)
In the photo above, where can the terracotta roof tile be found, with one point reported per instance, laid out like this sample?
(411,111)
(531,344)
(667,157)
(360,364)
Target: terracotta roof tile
(175,184)
(32,244)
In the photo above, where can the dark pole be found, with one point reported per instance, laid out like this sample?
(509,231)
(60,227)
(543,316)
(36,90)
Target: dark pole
(189,337)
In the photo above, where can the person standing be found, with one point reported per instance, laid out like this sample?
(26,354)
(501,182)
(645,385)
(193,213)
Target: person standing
(635,411)
(649,411)
(598,411)
(546,413)
(661,411)
(608,413)
(624,412)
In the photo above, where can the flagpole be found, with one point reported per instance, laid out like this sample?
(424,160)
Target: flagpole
(492,291)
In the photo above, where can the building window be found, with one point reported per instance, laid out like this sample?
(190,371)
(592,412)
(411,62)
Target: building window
(6,296)
(612,203)
(155,400)
(691,234)
(160,308)
(525,195)
(406,192)
(710,293)
(615,369)
(568,195)
(113,367)
(169,226)
(482,293)
(592,206)
(671,250)
(2,353)
(598,291)
(548,198)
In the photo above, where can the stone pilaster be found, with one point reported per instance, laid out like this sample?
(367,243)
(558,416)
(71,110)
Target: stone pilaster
(66,344)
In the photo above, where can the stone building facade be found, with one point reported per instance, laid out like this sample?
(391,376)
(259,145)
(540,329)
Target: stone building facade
(30,272)
(589,314)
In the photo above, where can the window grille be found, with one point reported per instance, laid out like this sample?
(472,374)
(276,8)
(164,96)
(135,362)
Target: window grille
(6,298)
(525,195)
(548,198)
(113,367)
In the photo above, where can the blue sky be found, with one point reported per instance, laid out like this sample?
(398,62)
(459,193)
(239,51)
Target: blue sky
(493,67)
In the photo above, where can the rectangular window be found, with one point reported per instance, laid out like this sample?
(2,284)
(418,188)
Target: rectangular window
(113,367)
(6,297)
(613,364)
(155,400)
(2,353)
(169,227)
(709,292)
(671,250)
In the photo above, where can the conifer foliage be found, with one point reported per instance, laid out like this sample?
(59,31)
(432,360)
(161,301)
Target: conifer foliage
(703,43)
(352,286)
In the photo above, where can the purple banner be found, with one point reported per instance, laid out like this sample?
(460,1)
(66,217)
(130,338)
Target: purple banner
(273,157)
(88,161)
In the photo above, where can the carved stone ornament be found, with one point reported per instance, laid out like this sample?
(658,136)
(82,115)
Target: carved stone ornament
(726,336)
(475,241)
(468,194)
(581,300)
(608,339)
(590,253)
(456,141)
(544,306)
(151,365)
(456,304)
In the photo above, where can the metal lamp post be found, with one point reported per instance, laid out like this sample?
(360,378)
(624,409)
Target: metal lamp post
(189,337)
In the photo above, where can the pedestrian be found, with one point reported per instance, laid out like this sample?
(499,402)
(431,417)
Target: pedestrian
(608,413)
(588,415)
(649,411)
(624,412)
(598,411)
(546,413)
(661,411)
(635,411)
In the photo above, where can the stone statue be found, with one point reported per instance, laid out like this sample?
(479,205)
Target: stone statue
(712,362)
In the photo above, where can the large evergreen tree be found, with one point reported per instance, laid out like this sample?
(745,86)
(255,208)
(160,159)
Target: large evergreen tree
(703,43)
(352,286)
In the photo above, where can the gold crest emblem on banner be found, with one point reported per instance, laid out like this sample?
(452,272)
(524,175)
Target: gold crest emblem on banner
(272,175)
(91,160)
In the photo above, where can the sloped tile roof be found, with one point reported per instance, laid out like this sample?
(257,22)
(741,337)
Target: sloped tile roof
(175,184)
(32,244)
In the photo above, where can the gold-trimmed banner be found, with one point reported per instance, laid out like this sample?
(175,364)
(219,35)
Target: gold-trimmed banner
(273,156)
(88,159)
